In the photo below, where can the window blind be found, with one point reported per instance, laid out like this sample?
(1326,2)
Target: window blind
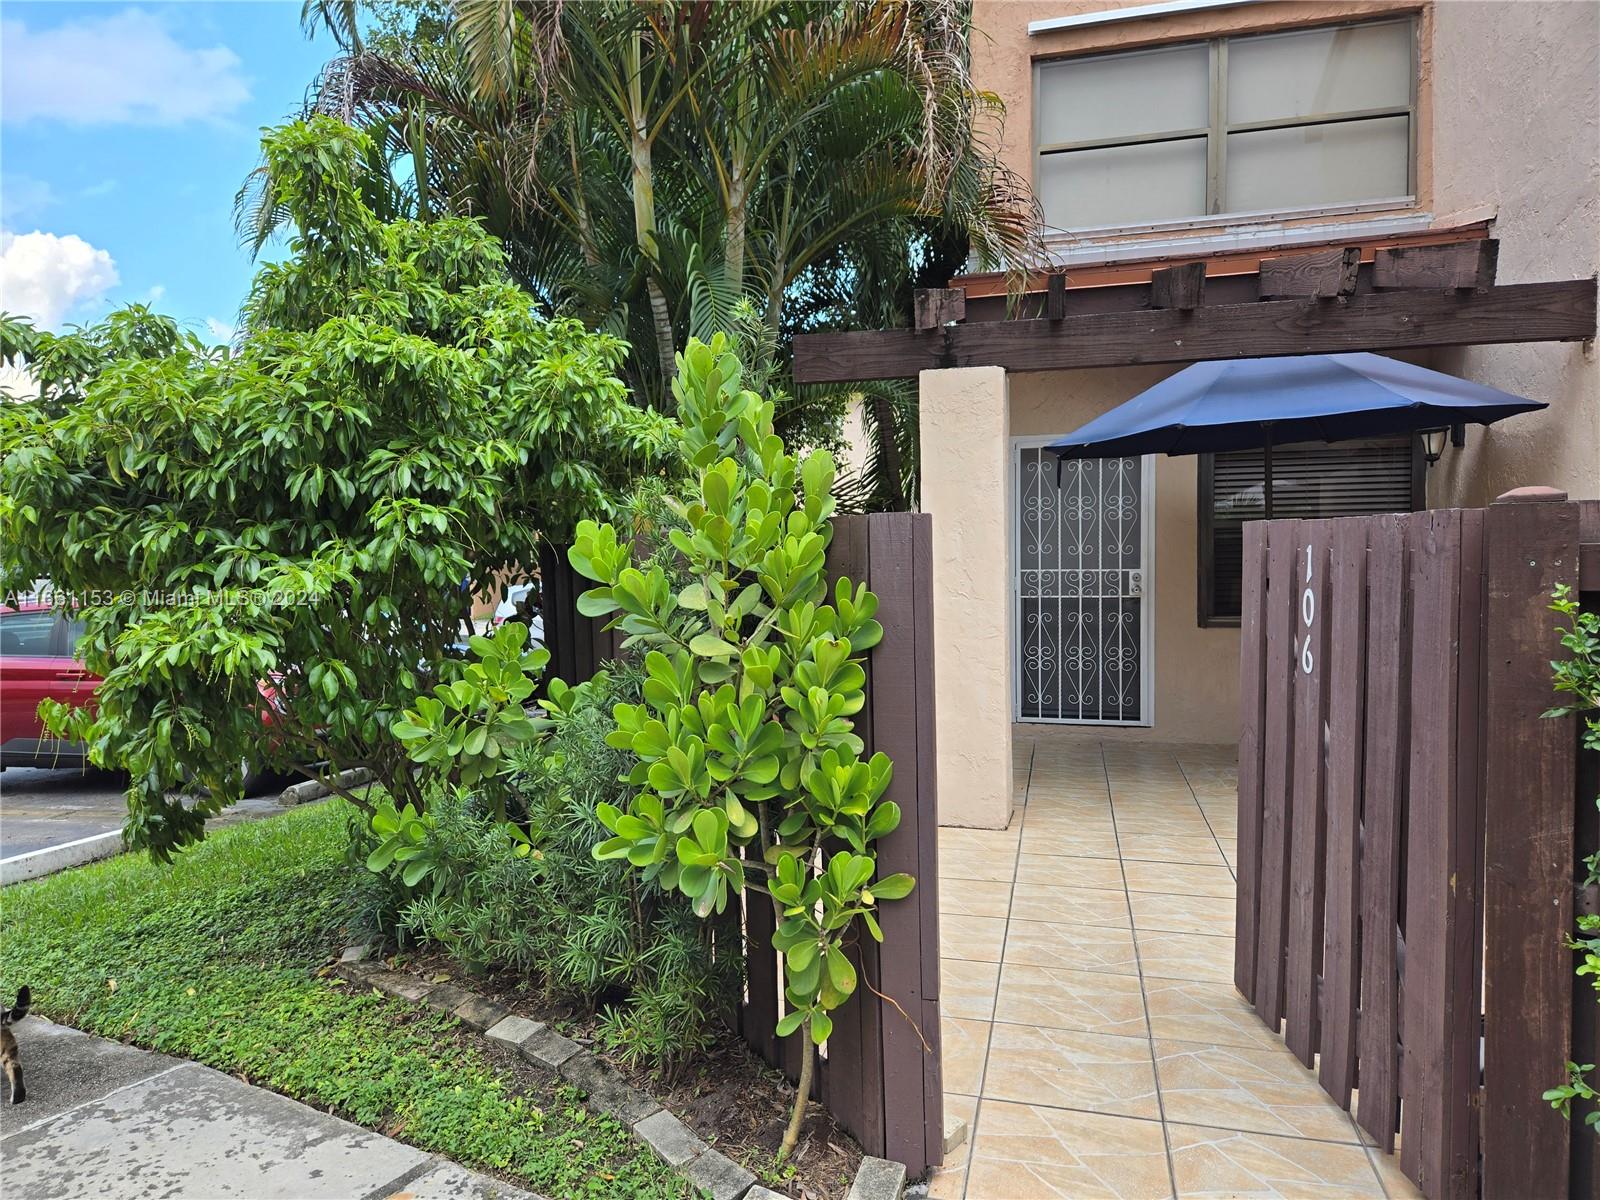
(1346,479)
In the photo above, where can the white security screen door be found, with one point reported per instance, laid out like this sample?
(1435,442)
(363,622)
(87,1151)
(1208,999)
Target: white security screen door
(1081,584)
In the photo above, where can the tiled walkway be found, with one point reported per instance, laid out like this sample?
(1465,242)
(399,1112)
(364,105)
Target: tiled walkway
(1093,1040)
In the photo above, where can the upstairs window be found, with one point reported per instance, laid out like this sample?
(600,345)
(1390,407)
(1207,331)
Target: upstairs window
(1280,122)
(1309,481)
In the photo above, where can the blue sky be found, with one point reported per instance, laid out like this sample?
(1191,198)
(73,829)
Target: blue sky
(125,131)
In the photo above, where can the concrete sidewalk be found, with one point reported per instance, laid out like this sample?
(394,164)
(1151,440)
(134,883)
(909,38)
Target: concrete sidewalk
(118,1123)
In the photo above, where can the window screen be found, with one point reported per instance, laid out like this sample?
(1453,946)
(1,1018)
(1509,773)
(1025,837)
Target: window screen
(1304,119)
(1346,479)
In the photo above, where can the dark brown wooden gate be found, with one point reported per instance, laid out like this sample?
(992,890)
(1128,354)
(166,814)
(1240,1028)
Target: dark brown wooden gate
(1411,829)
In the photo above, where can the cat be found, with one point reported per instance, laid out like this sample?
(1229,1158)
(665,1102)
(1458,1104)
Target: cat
(10,1060)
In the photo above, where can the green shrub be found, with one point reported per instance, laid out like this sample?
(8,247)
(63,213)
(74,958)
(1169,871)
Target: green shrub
(589,932)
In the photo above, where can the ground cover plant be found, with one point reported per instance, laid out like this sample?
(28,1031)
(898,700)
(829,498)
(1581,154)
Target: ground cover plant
(211,959)
(308,512)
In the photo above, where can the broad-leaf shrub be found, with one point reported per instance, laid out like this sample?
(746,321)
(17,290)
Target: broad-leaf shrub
(749,774)
(303,511)
(1578,676)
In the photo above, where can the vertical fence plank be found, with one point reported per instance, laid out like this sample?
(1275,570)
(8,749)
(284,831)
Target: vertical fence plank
(1252,702)
(850,1075)
(1303,957)
(891,539)
(1346,663)
(1529,781)
(758,1016)
(1383,782)
(1277,770)
(1585,1176)
(927,809)
(1431,904)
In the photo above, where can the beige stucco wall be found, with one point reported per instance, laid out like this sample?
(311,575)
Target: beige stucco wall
(964,419)
(1196,687)
(1517,128)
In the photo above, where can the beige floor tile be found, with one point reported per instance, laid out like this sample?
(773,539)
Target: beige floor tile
(1185,956)
(1176,823)
(1056,998)
(977,938)
(948,1183)
(1183,914)
(1075,947)
(1026,1152)
(1185,1009)
(1395,1182)
(1072,843)
(966,989)
(958,1106)
(1057,870)
(1067,1068)
(982,841)
(970,864)
(1160,847)
(963,1045)
(1263,1091)
(1070,813)
(1072,905)
(1230,851)
(1177,879)
(975,897)
(1216,1163)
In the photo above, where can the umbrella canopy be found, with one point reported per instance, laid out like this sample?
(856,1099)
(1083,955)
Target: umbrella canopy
(1251,403)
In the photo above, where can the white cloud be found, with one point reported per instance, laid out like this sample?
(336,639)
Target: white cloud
(95,190)
(220,331)
(45,277)
(153,296)
(121,68)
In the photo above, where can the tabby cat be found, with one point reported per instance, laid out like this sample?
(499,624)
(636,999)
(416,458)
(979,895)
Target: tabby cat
(10,1060)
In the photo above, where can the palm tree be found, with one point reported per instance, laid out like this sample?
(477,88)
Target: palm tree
(652,163)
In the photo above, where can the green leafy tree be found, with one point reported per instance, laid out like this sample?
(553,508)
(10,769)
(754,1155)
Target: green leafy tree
(286,533)
(749,773)
(651,165)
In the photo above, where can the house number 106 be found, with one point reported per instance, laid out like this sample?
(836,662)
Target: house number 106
(1308,613)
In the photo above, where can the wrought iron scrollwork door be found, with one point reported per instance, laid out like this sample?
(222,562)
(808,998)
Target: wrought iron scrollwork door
(1082,566)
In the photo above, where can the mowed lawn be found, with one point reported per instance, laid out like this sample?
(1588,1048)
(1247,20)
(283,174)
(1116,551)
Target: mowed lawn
(214,958)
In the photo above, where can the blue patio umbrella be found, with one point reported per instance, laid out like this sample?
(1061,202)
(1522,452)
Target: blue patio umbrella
(1256,403)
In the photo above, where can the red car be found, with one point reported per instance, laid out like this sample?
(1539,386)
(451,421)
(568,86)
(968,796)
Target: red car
(36,663)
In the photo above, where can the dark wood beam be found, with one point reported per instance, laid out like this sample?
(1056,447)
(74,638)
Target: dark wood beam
(1526,312)
(1324,274)
(1178,287)
(939,306)
(1468,264)
(1055,297)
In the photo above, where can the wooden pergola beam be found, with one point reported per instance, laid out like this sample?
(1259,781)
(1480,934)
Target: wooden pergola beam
(1403,320)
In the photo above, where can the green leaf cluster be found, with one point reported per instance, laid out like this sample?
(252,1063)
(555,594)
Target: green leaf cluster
(749,774)
(272,546)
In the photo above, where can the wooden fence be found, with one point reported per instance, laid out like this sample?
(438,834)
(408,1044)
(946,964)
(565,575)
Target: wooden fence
(879,1073)
(1411,831)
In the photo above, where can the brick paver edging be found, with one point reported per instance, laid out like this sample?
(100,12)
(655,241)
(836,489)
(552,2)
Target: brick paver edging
(607,1091)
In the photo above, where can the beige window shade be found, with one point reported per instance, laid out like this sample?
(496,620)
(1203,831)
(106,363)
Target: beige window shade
(1267,123)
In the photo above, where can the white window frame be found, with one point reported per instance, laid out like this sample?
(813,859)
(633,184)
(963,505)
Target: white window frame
(1217,131)
(1147,623)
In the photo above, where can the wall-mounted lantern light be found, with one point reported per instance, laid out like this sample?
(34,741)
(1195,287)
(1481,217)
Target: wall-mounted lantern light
(1433,443)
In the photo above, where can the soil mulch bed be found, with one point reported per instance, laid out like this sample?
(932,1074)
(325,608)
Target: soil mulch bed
(728,1096)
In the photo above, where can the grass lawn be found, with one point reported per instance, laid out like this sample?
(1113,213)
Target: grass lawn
(212,959)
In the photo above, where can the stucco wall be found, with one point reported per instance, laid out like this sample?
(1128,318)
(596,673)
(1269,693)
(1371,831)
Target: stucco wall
(1533,154)
(964,419)
(1196,691)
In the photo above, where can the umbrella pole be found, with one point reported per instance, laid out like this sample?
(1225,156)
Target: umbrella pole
(1266,470)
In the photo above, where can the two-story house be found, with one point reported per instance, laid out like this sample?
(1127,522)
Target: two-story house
(1103,599)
